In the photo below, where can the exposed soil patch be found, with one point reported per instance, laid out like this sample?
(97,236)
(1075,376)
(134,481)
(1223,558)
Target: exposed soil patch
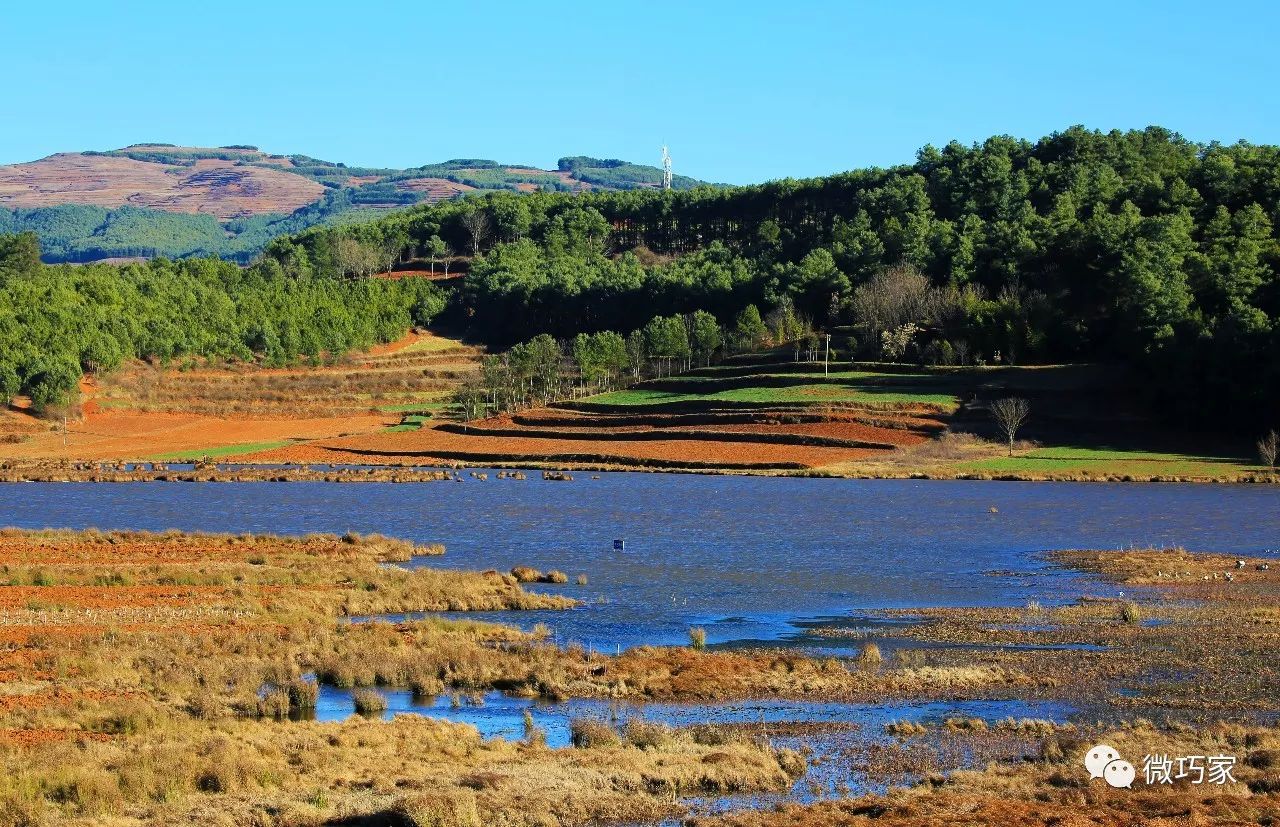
(190,411)
(217,187)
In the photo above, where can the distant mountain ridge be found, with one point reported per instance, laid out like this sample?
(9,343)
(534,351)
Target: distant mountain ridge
(151,199)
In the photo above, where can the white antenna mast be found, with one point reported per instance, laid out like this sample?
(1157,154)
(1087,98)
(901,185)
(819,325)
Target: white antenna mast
(666,168)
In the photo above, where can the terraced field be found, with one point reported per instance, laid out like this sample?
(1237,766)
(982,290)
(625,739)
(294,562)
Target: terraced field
(221,411)
(749,416)
(417,373)
(761,413)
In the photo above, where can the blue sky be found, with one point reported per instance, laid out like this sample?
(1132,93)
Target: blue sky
(741,91)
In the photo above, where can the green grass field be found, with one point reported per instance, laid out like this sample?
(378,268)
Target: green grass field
(1109,462)
(220,451)
(412,422)
(414,407)
(850,386)
(431,344)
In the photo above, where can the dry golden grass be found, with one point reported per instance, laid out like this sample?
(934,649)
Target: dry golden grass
(1055,789)
(148,679)
(351,385)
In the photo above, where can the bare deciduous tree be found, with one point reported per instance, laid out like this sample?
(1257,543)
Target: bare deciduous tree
(902,295)
(1009,414)
(479,226)
(891,298)
(392,248)
(1268,448)
(354,259)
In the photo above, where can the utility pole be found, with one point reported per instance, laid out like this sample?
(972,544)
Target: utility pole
(826,359)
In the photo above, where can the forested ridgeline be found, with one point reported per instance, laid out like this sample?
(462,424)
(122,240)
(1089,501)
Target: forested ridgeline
(1135,247)
(60,321)
(81,232)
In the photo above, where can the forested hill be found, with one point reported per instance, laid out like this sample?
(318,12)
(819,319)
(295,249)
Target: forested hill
(160,200)
(1137,247)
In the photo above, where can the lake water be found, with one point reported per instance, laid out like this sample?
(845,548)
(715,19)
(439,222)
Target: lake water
(747,558)
(750,559)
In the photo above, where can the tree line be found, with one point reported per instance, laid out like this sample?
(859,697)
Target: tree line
(544,369)
(58,322)
(1137,247)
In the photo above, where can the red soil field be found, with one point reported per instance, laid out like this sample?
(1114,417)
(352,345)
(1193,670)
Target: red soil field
(709,440)
(129,435)
(909,431)
(115,597)
(415,446)
(258,404)
(436,189)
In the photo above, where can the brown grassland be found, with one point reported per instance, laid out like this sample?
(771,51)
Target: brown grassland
(150,679)
(143,679)
(218,187)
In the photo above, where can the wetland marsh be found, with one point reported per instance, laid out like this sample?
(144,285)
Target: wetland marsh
(862,638)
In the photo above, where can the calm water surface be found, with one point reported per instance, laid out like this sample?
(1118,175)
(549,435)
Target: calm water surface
(748,558)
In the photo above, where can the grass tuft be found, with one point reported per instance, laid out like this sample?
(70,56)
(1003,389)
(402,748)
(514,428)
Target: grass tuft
(369,701)
(589,733)
(870,655)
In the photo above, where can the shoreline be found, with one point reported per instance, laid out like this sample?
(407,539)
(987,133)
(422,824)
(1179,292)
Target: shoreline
(447,471)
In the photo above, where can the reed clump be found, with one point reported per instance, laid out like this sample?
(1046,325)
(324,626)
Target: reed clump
(526,574)
(274,703)
(905,729)
(369,701)
(303,694)
(965,725)
(870,655)
(589,733)
(648,734)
